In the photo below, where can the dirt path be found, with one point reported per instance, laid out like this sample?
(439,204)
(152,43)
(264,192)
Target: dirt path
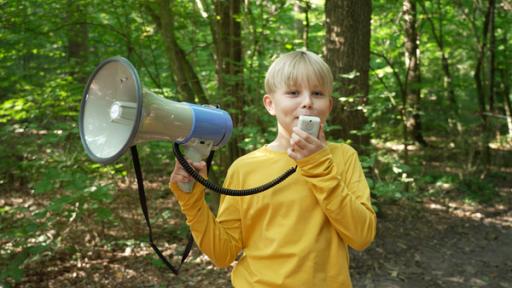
(426,244)
(438,245)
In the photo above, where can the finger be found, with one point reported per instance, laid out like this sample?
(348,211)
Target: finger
(175,172)
(182,174)
(297,142)
(180,179)
(304,135)
(200,167)
(179,172)
(292,154)
(183,179)
(321,135)
(180,169)
(177,166)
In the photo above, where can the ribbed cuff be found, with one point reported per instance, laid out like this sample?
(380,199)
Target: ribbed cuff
(316,163)
(189,201)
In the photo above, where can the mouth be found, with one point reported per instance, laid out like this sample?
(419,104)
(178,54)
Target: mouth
(297,117)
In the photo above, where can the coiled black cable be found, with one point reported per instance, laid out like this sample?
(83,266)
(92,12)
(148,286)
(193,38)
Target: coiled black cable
(226,191)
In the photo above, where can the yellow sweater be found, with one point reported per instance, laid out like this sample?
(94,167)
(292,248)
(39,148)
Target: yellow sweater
(294,235)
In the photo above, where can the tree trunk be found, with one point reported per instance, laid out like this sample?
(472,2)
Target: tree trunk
(439,38)
(298,23)
(305,35)
(229,68)
(78,39)
(186,79)
(302,26)
(505,78)
(492,56)
(480,86)
(348,55)
(413,80)
(226,32)
(507,104)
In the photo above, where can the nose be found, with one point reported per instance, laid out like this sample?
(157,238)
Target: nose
(307,101)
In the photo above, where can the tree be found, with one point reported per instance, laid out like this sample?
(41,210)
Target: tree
(226,32)
(185,77)
(480,84)
(78,38)
(504,73)
(413,80)
(227,35)
(302,27)
(439,37)
(347,46)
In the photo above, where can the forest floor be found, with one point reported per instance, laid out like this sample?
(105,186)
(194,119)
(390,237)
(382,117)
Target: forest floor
(440,241)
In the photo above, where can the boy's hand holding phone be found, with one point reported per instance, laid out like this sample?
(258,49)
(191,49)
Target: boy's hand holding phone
(307,138)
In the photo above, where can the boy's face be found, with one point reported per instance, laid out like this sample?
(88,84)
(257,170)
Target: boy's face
(288,103)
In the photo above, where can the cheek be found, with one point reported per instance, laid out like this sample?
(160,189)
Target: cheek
(324,112)
(287,110)
(326,107)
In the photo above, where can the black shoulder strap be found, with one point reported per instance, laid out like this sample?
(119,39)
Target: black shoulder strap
(143,205)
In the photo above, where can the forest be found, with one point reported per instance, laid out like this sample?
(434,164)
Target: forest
(422,91)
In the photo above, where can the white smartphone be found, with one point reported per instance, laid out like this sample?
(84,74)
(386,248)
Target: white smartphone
(310,124)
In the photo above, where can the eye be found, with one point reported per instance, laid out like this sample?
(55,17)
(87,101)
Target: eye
(318,93)
(292,92)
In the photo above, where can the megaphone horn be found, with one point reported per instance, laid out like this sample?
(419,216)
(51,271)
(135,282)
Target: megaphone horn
(116,113)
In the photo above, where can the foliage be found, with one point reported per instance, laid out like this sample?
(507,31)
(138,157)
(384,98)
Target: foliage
(66,193)
(41,85)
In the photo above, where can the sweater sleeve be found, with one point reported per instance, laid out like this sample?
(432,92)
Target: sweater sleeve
(343,197)
(218,238)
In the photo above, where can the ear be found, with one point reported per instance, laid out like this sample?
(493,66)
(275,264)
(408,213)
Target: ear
(269,104)
(331,104)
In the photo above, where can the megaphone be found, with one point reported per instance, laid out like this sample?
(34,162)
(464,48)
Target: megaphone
(116,113)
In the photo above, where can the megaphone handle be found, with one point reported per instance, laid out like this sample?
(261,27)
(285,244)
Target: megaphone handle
(195,151)
(187,187)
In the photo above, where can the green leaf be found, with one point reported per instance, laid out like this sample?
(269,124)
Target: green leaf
(102,194)
(40,214)
(37,249)
(57,204)
(77,182)
(48,181)
(43,186)
(14,269)
(157,262)
(31,228)
(103,213)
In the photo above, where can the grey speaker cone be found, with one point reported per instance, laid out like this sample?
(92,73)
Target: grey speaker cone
(111,102)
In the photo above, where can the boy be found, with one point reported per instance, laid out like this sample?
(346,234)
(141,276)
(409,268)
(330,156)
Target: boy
(297,233)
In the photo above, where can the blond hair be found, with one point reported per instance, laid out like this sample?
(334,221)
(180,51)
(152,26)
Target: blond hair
(298,68)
